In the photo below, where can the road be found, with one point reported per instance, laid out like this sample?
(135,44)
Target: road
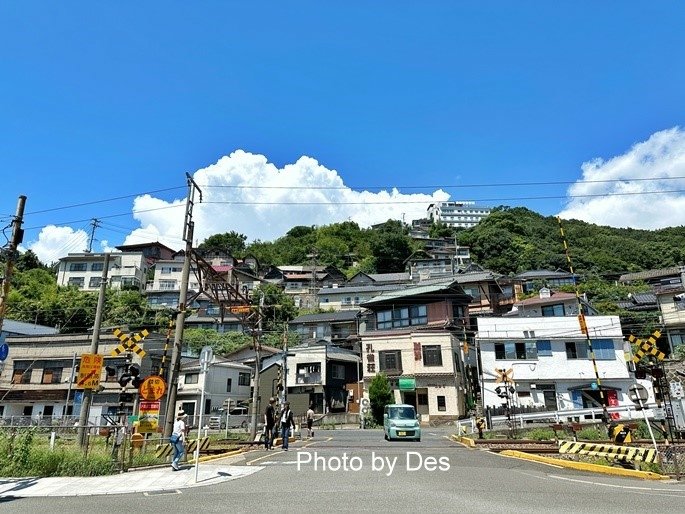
(357,471)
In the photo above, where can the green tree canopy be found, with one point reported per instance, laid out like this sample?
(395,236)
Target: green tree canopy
(380,395)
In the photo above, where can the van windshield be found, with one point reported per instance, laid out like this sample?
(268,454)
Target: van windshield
(401,413)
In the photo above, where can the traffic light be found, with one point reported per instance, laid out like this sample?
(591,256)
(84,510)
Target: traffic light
(110,370)
(136,379)
(640,372)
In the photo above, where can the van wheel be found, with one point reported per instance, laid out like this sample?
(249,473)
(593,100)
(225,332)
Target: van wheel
(243,424)
(223,426)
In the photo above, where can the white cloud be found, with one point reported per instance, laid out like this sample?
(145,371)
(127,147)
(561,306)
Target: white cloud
(624,202)
(246,193)
(55,242)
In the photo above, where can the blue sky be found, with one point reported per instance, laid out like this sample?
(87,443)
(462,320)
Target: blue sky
(371,109)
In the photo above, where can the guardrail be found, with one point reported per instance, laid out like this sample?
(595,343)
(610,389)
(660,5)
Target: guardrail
(626,412)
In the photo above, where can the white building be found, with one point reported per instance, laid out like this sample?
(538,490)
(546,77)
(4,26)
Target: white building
(223,381)
(84,270)
(457,214)
(551,364)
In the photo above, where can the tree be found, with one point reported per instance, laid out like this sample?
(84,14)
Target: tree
(380,395)
(197,338)
(231,242)
(278,308)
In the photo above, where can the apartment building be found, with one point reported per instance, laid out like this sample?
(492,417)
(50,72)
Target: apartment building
(457,214)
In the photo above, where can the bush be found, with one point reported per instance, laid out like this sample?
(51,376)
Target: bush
(541,434)
(591,434)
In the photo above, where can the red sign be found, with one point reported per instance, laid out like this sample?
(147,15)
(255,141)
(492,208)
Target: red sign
(417,351)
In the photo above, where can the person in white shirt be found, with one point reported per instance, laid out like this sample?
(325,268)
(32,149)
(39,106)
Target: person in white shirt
(287,421)
(310,421)
(177,439)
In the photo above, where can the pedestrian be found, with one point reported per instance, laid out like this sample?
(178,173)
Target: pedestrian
(287,421)
(269,422)
(178,438)
(310,420)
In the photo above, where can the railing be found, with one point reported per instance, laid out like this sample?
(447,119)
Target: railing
(559,416)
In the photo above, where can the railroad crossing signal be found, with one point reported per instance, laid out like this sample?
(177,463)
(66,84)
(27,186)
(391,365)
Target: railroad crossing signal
(128,343)
(648,346)
(89,371)
(505,376)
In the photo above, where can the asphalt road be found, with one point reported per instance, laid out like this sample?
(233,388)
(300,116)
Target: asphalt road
(358,471)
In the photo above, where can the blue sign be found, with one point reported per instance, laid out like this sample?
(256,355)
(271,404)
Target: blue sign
(4,351)
(594,386)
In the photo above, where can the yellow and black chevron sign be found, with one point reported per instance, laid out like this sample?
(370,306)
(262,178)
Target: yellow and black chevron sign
(646,347)
(129,343)
(624,453)
(204,444)
(164,450)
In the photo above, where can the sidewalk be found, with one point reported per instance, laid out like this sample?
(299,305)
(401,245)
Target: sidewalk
(143,481)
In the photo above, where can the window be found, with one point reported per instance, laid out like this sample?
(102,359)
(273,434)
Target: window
(576,350)
(191,378)
(422,399)
(167,285)
(402,317)
(544,348)
(511,350)
(94,282)
(553,310)
(338,371)
(390,361)
(228,384)
(97,266)
(243,379)
(21,373)
(432,355)
(78,266)
(604,349)
(441,403)
(76,281)
(51,375)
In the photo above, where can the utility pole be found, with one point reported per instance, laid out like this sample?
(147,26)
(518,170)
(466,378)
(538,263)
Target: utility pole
(95,223)
(285,365)
(188,227)
(94,341)
(17,237)
(257,341)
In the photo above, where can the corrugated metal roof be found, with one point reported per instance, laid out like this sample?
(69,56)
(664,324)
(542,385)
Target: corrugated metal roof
(359,289)
(26,329)
(652,273)
(389,277)
(412,291)
(346,315)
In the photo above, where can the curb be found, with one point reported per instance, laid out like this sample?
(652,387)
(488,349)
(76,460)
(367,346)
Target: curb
(466,441)
(220,455)
(582,466)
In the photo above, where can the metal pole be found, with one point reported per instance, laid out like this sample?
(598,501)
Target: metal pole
(649,427)
(71,380)
(199,424)
(95,340)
